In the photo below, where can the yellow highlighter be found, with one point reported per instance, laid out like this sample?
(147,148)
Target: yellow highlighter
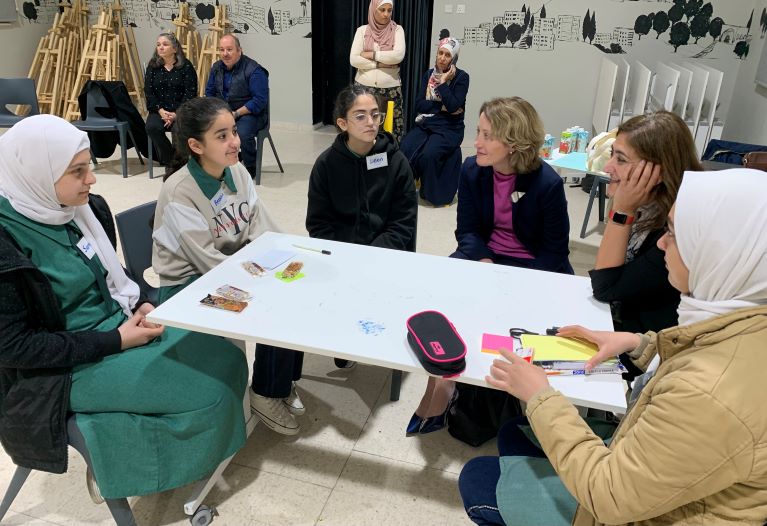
(389,120)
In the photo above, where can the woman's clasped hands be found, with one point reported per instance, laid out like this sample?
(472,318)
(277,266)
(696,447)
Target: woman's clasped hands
(137,331)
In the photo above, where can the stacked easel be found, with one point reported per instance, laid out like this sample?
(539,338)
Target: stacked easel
(109,53)
(209,51)
(187,34)
(56,57)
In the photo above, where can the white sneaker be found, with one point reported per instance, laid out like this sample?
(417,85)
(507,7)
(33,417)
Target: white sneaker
(273,413)
(93,488)
(293,401)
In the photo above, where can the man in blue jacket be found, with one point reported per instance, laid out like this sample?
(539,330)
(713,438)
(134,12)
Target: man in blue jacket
(244,84)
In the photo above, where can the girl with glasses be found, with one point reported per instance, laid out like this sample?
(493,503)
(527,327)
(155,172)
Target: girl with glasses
(361,189)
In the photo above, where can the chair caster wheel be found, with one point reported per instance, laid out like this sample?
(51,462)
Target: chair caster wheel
(203,516)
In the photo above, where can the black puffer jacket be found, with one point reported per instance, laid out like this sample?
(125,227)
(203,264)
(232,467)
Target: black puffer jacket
(36,360)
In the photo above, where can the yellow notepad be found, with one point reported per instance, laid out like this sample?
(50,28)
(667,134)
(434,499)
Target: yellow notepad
(556,348)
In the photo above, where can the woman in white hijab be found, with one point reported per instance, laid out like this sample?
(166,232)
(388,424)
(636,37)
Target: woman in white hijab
(433,143)
(160,416)
(693,445)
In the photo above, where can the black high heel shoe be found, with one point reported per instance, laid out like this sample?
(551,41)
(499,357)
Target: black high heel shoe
(435,423)
(414,426)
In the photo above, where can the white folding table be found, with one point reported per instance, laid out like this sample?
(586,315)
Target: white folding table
(354,303)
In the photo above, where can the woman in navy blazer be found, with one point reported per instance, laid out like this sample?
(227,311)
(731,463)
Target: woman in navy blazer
(507,180)
(512,211)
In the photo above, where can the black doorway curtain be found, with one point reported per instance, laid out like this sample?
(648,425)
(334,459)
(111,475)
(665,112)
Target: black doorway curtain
(334,23)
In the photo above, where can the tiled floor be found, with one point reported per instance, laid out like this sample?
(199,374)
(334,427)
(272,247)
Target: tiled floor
(351,463)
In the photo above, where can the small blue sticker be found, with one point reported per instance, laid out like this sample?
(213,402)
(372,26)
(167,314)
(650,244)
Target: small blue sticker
(371,327)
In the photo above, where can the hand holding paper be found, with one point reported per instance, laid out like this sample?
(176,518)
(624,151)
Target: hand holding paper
(610,344)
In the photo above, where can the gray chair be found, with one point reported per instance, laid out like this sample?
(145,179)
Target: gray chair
(135,229)
(18,91)
(119,508)
(262,134)
(96,122)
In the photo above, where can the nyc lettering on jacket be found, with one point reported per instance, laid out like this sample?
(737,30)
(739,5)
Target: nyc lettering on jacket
(232,219)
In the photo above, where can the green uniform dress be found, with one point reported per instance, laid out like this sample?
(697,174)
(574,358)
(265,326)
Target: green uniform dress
(154,417)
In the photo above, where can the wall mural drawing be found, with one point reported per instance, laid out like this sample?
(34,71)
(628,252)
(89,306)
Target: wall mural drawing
(688,27)
(275,17)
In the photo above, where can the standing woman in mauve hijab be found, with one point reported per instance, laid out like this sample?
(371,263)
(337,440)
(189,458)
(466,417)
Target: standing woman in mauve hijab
(377,50)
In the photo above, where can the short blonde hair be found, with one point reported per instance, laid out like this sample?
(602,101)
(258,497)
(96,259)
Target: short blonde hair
(515,122)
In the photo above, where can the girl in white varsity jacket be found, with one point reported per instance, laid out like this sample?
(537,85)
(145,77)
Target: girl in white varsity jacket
(206,211)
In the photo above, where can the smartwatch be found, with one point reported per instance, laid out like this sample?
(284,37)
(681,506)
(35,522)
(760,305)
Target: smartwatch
(620,218)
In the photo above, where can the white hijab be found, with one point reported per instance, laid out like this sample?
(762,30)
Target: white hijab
(720,222)
(34,154)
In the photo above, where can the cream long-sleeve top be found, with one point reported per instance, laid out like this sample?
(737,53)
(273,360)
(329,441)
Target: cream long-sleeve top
(368,71)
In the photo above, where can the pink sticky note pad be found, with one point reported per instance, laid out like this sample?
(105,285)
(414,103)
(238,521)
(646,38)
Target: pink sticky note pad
(492,342)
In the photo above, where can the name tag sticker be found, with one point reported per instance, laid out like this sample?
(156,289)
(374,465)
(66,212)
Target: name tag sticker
(218,201)
(377,161)
(86,248)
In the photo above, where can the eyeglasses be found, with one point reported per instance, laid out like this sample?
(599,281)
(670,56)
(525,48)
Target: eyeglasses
(361,118)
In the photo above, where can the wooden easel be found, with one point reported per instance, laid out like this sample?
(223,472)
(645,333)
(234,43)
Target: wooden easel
(209,50)
(56,55)
(99,60)
(129,59)
(186,33)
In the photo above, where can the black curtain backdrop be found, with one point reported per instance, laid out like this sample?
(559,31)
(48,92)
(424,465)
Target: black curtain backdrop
(415,17)
(334,23)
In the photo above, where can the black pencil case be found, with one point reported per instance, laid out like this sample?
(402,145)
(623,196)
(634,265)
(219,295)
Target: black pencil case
(436,343)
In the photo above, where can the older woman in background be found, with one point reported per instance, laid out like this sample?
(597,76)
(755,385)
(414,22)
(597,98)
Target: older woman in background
(433,144)
(170,80)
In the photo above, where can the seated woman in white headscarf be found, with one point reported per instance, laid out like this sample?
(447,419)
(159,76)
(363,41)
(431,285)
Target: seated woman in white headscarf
(692,448)
(158,407)
(433,144)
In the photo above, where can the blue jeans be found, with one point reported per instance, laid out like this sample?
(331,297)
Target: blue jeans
(477,486)
(480,475)
(248,127)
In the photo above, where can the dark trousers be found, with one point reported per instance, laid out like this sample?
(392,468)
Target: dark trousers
(155,128)
(247,128)
(480,475)
(275,369)
(436,161)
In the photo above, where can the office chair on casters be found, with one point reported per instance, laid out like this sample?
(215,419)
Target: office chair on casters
(96,122)
(135,230)
(262,134)
(119,508)
(16,92)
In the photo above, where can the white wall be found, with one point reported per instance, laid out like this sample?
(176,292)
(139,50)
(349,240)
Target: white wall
(561,82)
(747,118)
(22,38)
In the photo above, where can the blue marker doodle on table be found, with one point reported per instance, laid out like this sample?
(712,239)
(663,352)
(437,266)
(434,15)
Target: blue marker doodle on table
(371,327)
